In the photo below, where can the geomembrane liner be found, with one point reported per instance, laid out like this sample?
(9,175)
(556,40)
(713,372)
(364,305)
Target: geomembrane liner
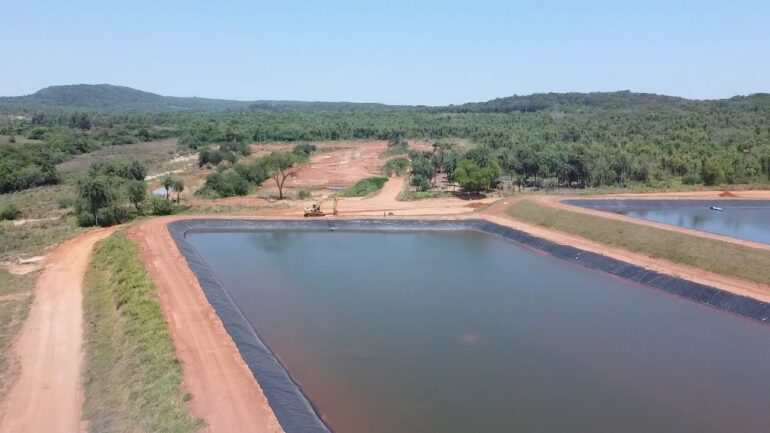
(292,408)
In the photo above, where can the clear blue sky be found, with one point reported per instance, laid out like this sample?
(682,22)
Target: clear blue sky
(409,52)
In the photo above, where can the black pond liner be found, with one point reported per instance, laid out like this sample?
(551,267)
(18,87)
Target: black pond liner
(292,408)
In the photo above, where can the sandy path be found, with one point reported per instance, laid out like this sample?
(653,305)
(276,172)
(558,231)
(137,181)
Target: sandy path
(48,395)
(224,391)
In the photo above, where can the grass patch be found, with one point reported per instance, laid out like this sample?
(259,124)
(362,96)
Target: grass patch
(18,140)
(216,209)
(713,255)
(399,149)
(365,187)
(132,376)
(11,284)
(396,166)
(422,195)
(33,237)
(155,155)
(15,300)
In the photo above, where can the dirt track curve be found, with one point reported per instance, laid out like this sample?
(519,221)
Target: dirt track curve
(48,395)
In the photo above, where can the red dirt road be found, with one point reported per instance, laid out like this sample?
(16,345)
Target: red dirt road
(48,395)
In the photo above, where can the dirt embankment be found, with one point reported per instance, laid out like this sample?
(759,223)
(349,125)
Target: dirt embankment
(224,391)
(47,395)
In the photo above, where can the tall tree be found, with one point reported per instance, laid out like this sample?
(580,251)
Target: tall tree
(96,192)
(283,165)
(473,178)
(137,191)
(168,185)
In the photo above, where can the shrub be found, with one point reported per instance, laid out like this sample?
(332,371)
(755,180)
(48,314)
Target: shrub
(421,182)
(691,179)
(161,206)
(304,194)
(86,219)
(228,183)
(397,166)
(397,146)
(364,187)
(256,172)
(10,212)
(38,133)
(190,141)
(304,148)
(65,202)
(236,147)
(214,157)
(112,215)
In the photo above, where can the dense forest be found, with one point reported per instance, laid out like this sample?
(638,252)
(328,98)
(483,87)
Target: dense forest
(575,140)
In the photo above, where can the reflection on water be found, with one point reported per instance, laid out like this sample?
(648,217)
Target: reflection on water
(463,332)
(744,223)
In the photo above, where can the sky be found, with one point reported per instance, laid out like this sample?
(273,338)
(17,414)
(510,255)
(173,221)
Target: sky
(395,52)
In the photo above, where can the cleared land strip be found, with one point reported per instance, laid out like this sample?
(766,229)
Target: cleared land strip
(48,395)
(727,266)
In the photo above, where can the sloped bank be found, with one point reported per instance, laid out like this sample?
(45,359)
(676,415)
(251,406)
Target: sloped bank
(294,411)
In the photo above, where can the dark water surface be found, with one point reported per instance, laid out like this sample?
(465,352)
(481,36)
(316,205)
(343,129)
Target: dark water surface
(461,332)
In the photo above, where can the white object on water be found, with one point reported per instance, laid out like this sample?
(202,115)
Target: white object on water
(716,208)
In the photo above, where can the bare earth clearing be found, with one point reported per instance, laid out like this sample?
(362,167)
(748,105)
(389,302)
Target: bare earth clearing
(47,395)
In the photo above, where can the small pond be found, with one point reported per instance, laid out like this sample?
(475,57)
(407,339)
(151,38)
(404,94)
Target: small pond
(460,331)
(743,219)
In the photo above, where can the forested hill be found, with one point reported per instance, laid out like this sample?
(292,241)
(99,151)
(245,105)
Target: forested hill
(601,100)
(109,98)
(554,101)
(556,139)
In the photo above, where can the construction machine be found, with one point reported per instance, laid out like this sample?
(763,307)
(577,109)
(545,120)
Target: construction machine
(315,209)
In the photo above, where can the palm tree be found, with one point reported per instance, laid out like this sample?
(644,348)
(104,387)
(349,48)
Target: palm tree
(178,186)
(168,184)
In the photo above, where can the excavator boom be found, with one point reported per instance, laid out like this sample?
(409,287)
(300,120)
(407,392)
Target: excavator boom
(315,209)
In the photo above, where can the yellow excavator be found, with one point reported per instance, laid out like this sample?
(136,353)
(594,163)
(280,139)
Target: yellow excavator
(315,209)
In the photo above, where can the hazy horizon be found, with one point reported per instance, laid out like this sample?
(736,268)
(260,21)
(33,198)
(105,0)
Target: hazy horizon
(397,52)
(377,102)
